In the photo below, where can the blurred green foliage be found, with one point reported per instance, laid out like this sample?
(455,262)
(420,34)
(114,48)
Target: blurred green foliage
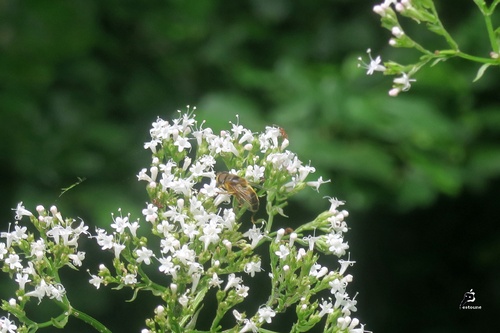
(81,81)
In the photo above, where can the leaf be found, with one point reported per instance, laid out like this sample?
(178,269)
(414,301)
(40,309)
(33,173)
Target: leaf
(435,62)
(136,292)
(192,322)
(65,189)
(481,71)
(59,322)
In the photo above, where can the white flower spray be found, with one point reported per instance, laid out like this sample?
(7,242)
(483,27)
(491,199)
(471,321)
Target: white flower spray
(200,234)
(391,12)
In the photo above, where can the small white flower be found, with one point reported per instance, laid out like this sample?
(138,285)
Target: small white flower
(404,82)
(246,137)
(21,211)
(40,291)
(252,268)
(7,326)
(254,173)
(120,223)
(184,299)
(242,290)
(133,228)
(238,316)
(249,326)
(56,291)
(130,279)
(14,261)
(304,171)
(232,281)
(15,236)
(30,269)
(211,231)
(334,204)
(144,255)
(326,308)
(38,249)
(373,66)
(150,213)
(255,235)
(159,310)
(96,281)
(169,244)
(344,264)
(22,279)
(318,271)
(266,314)
(283,252)
(104,240)
(167,266)
(77,258)
(117,249)
(215,281)
(182,143)
(336,244)
(185,254)
(349,305)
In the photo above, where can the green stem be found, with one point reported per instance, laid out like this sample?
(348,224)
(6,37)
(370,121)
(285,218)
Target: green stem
(269,211)
(149,284)
(487,12)
(67,311)
(420,47)
(454,53)
(89,320)
(443,31)
(478,59)
(70,311)
(493,5)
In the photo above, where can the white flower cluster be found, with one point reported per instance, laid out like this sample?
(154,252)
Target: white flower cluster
(200,241)
(19,242)
(200,234)
(399,39)
(402,83)
(35,257)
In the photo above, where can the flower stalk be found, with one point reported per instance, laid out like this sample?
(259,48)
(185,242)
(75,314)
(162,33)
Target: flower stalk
(424,11)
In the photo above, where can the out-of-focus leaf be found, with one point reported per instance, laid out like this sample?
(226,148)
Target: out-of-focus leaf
(481,71)
(484,164)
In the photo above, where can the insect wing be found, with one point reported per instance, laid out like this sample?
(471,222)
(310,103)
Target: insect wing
(247,196)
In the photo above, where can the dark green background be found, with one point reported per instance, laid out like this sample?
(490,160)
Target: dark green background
(81,82)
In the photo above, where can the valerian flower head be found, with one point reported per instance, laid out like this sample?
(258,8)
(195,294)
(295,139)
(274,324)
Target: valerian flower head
(200,231)
(203,223)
